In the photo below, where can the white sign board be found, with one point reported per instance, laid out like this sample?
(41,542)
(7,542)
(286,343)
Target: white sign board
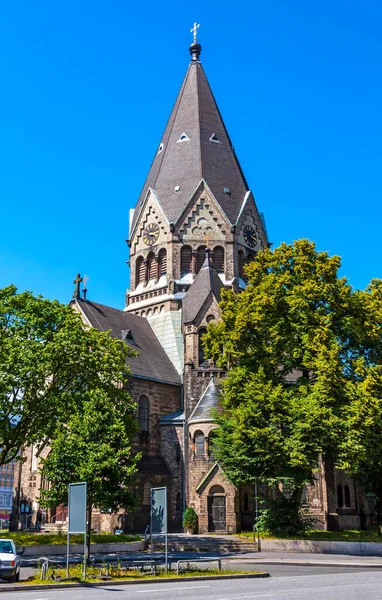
(159,510)
(77,507)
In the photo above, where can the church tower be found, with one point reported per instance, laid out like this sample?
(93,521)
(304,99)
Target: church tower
(195,195)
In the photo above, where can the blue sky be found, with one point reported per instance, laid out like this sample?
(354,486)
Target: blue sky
(86,88)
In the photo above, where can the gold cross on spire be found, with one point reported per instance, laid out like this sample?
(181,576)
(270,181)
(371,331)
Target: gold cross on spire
(194,30)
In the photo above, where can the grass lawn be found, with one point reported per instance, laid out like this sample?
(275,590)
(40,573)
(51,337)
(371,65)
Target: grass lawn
(118,573)
(351,535)
(35,539)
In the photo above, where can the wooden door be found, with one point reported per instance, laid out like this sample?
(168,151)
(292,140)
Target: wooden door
(216,513)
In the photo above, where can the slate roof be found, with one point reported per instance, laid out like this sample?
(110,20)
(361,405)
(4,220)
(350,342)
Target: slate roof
(205,283)
(185,164)
(152,361)
(207,403)
(175,418)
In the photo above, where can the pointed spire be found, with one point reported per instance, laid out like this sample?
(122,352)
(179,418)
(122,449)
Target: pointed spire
(206,282)
(195,146)
(207,260)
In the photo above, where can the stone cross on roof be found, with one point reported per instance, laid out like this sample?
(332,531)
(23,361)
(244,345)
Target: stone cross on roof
(77,281)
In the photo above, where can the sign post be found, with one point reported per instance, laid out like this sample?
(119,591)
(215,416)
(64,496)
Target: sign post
(159,516)
(77,500)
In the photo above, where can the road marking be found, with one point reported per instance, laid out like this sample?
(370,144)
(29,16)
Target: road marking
(191,587)
(243,597)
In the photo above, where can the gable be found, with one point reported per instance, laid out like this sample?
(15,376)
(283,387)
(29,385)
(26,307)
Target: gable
(151,213)
(203,218)
(214,476)
(250,217)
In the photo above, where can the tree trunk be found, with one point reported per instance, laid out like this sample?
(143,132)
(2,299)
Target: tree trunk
(89,532)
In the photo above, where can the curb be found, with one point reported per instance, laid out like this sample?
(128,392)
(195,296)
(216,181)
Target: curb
(307,563)
(57,586)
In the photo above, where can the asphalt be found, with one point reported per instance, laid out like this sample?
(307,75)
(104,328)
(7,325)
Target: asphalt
(354,585)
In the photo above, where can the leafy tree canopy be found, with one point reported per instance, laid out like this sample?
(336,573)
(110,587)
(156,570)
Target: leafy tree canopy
(50,364)
(94,446)
(295,342)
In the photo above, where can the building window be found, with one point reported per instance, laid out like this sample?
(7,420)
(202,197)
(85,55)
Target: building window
(347,496)
(185,260)
(203,362)
(199,444)
(200,257)
(177,503)
(146,493)
(183,138)
(214,138)
(143,414)
(340,497)
(218,259)
(241,260)
(177,452)
(151,266)
(245,502)
(304,496)
(140,271)
(162,257)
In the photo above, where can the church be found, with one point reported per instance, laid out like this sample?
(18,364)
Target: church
(194,227)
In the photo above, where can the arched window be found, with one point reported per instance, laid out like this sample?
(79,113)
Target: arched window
(347,496)
(211,444)
(304,496)
(140,274)
(185,260)
(143,413)
(177,505)
(162,257)
(241,260)
(199,444)
(200,257)
(218,259)
(340,497)
(151,266)
(245,502)
(203,362)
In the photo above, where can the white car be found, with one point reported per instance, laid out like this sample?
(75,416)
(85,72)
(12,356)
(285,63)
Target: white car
(10,561)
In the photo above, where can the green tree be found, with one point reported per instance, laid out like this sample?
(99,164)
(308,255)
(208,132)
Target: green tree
(49,365)
(95,446)
(290,341)
(360,446)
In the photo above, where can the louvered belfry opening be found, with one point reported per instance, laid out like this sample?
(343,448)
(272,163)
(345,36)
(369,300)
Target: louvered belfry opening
(140,271)
(218,259)
(151,266)
(185,260)
(200,257)
(241,260)
(162,262)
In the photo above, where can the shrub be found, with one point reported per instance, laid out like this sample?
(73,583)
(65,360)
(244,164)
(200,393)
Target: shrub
(284,519)
(190,518)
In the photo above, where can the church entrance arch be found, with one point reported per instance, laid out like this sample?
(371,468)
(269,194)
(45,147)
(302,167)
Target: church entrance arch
(216,509)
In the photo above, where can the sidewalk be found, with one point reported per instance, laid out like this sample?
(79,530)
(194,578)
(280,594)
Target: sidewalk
(265,558)
(301,559)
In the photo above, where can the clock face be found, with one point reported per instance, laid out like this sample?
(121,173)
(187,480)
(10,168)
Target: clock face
(151,234)
(250,236)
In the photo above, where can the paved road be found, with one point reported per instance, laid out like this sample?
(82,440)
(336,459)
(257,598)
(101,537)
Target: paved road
(334,586)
